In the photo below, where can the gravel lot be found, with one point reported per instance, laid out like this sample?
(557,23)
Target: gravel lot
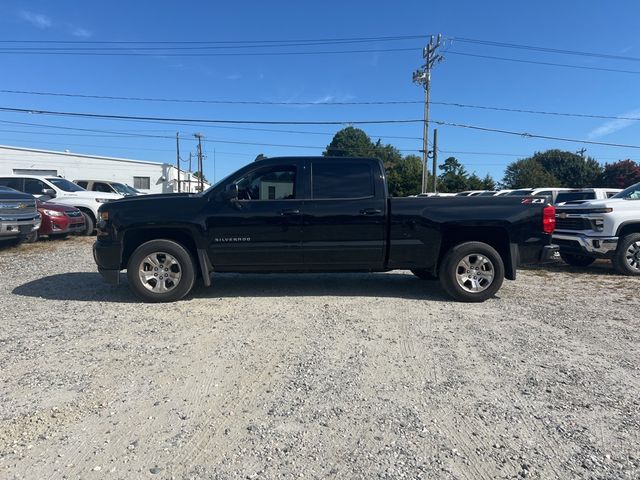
(315,376)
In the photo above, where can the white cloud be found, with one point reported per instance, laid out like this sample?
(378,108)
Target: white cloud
(36,19)
(79,32)
(613,126)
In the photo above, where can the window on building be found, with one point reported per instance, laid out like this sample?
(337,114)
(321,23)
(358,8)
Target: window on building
(277,183)
(339,180)
(142,182)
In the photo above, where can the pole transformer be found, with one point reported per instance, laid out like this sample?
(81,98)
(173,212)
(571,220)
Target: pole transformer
(422,77)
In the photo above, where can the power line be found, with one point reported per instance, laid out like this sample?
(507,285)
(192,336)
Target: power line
(535,62)
(217,102)
(300,122)
(327,103)
(543,49)
(201,120)
(533,135)
(216,54)
(219,42)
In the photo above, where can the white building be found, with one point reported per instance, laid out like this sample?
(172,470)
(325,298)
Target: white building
(146,176)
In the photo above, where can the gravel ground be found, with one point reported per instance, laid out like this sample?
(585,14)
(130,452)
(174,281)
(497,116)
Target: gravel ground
(315,376)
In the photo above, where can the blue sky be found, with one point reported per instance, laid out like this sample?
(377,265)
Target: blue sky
(370,76)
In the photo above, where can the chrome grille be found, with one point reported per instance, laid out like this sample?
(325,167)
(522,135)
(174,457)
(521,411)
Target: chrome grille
(17,207)
(573,223)
(74,213)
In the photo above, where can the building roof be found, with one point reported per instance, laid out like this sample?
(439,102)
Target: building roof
(71,154)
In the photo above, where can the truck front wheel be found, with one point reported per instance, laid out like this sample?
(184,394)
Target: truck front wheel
(161,271)
(627,258)
(577,260)
(471,272)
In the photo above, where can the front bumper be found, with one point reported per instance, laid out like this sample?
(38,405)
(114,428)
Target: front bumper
(549,253)
(18,226)
(600,247)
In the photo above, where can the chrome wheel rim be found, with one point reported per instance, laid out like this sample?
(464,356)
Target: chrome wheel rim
(160,272)
(475,273)
(632,255)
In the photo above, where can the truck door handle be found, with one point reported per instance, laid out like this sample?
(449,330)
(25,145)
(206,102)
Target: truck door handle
(370,211)
(288,213)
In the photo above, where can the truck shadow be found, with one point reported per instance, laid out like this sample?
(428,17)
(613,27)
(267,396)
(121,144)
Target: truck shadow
(75,286)
(89,287)
(320,284)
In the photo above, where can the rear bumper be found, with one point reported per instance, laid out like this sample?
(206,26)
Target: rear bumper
(107,256)
(599,247)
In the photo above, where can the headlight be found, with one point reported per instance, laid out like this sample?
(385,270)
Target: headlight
(103,200)
(53,213)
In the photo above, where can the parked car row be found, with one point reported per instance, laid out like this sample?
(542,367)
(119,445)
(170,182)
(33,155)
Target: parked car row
(62,191)
(558,195)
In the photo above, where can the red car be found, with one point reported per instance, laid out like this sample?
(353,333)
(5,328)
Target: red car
(58,220)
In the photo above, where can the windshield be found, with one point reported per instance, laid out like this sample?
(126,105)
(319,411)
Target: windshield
(120,188)
(520,193)
(571,196)
(65,185)
(631,193)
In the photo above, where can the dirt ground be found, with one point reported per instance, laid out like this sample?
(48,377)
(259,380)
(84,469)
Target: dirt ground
(315,376)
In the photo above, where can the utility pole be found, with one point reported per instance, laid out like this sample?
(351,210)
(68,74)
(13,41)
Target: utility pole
(178,157)
(435,159)
(190,172)
(422,76)
(581,152)
(200,180)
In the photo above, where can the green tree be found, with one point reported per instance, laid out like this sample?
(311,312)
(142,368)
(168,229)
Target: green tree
(488,183)
(350,142)
(569,168)
(474,182)
(528,172)
(620,174)
(408,176)
(454,177)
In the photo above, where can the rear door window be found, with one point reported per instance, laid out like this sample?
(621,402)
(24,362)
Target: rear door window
(341,180)
(12,182)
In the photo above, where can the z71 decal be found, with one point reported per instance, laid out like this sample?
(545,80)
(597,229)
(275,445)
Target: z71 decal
(533,200)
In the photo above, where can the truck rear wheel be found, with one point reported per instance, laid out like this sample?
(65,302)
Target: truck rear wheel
(161,271)
(471,272)
(627,258)
(577,260)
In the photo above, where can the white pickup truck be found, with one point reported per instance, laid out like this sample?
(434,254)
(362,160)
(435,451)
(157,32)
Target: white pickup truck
(590,229)
(60,190)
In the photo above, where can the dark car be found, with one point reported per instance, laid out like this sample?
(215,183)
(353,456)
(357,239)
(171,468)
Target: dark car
(19,217)
(58,220)
(319,214)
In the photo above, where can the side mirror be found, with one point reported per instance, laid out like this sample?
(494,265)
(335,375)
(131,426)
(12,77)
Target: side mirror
(50,192)
(230,192)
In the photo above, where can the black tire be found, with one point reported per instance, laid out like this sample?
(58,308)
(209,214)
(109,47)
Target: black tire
(627,257)
(32,237)
(89,225)
(160,251)
(577,260)
(424,274)
(487,261)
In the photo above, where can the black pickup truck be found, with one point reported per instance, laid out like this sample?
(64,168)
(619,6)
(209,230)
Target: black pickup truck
(319,214)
